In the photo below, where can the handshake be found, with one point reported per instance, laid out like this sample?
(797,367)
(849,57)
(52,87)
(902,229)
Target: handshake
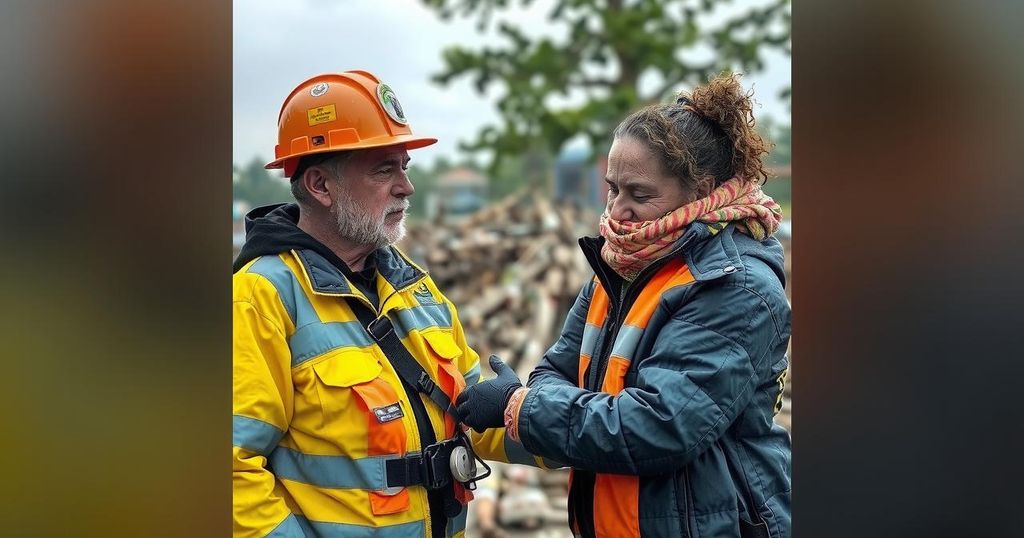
(482,406)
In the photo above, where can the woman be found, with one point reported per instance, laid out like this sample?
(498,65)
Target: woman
(661,390)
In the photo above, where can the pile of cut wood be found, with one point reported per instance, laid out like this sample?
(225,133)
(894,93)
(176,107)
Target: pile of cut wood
(513,268)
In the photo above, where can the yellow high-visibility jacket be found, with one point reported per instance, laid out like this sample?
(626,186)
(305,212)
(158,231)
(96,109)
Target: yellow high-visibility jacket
(314,398)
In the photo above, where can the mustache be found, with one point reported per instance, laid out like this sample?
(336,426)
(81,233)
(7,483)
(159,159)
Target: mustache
(400,206)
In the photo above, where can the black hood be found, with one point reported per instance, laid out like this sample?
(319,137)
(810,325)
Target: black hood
(273,229)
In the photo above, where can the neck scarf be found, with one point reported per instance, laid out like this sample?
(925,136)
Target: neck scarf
(631,246)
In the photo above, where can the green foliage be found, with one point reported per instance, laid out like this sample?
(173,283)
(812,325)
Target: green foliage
(778,187)
(423,180)
(781,136)
(532,169)
(257,186)
(610,45)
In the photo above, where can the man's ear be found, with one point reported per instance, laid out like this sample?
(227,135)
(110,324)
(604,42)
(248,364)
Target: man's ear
(315,181)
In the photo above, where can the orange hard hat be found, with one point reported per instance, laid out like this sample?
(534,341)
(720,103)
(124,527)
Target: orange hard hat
(340,111)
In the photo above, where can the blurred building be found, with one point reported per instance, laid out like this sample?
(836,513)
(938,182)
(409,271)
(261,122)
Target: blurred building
(238,210)
(458,192)
(579,178)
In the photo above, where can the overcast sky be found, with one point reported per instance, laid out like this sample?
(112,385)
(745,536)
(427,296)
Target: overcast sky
(279,43)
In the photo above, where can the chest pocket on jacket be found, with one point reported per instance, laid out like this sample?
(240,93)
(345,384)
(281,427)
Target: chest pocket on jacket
(365,413)
(442,343)
(445,352)
(348,368)
(358,405)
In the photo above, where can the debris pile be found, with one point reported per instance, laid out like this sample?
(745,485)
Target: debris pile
(513,268)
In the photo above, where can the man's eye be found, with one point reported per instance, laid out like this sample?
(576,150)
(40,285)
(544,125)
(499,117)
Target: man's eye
(642,197)
(384,171)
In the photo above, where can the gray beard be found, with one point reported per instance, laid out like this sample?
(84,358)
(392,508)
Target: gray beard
(362,228)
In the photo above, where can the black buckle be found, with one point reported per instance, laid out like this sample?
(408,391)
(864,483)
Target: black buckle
(426,384)
(437,473)
(380,327)
(429,470)
(405,471)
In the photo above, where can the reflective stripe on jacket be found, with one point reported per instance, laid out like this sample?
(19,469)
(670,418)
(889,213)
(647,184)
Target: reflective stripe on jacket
(318,409)
(661,397)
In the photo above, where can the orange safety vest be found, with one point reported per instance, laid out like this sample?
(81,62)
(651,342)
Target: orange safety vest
(616,497)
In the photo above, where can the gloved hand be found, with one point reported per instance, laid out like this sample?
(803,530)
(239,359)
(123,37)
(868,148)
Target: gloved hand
(482,406)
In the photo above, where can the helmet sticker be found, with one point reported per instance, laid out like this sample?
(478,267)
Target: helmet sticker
(389,101)
(321,114)
(319,89)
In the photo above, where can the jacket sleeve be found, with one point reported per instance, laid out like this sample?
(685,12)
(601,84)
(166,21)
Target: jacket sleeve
(262,408)
(493,444)
(698,376)
(560,364)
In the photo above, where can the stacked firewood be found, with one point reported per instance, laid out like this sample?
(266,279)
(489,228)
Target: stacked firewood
(785,416)
(513,268)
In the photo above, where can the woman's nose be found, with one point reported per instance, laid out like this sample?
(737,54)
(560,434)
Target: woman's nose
(619,211)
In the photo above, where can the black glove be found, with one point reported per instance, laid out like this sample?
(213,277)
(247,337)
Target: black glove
(482,406)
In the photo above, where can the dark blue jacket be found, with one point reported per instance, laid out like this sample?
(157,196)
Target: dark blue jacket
(695,420)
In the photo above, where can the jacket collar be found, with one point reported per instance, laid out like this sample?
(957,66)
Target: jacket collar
(712,255)
(708,255)
(326,278)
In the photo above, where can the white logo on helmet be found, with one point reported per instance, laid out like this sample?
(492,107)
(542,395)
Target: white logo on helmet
(318,89)
(390,103)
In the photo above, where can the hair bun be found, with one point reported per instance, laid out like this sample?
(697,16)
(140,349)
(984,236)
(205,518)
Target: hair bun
(724,101)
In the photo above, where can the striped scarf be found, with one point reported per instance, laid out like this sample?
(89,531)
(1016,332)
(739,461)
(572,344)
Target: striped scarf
(631,246)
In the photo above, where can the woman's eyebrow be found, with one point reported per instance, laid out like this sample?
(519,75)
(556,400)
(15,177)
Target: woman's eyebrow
(630,184)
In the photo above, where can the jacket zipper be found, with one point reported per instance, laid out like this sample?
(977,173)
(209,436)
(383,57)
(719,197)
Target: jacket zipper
(618,311)
(617,314)
(685,509)
(377,312)
(415,402)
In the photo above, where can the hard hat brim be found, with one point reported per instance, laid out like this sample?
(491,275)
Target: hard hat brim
(409,141)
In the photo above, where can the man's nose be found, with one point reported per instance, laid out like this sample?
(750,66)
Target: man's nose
(403,187)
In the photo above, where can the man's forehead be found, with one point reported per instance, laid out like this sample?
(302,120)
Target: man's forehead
(385,153)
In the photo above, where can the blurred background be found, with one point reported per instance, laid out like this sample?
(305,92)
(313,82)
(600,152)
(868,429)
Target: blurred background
(117,138)
(522,96)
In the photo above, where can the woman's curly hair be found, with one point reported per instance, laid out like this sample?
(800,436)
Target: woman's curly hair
(705,137)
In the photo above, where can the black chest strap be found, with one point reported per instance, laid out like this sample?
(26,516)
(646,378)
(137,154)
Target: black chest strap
(414,469)
(383,333)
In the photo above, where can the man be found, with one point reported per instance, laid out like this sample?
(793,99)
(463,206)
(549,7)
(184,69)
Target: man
(346,355)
